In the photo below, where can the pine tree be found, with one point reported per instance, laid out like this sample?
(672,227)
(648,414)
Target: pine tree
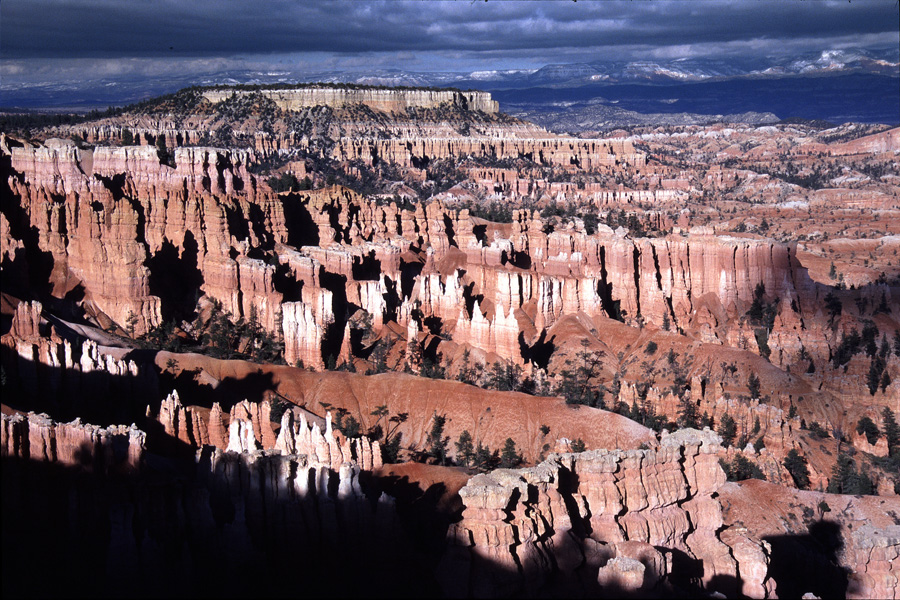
(741,468)
(756,308)
(841,475)
(796,465)
(465,450)
(689,415)
(753,385)
(891,430)
(484,459)
(509,458)
(885,381)
(436,442)
(727,429)
(874,377)
(834,306)
(845,479)
(468,373)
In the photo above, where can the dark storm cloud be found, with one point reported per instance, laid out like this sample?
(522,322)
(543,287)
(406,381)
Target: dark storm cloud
(156,28)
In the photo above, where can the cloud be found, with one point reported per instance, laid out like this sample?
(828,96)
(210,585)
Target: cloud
(78,39)
(55,28)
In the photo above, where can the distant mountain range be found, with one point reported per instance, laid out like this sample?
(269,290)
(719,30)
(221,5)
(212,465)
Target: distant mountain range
(886,63)
(834,85)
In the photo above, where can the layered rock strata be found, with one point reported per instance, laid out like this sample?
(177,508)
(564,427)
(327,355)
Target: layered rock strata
(387,100)
(76,444)
(637,518)
(518,275)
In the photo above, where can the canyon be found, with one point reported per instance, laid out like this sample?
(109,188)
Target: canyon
(253,328)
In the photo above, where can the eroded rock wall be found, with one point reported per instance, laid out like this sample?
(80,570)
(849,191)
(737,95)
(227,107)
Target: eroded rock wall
(639,519)
(100,449)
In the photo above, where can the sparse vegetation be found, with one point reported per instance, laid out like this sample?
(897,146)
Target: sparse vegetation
(741,468)
(796,465)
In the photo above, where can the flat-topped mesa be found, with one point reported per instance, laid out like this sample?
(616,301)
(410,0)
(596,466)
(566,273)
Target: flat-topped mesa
(387,99)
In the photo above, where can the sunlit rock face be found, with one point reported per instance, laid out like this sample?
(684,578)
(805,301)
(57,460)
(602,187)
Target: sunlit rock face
(629,513)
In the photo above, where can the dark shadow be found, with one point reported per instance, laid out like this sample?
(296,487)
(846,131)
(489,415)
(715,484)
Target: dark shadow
(260,230)
(366,267)
(729,585)
(604,290)
(391,300)
(480,233)
(173,530)
(687,573)
(434,324)
(448,228)
(469,297)
(284,282)
(176,528)
(234,218)
(809,563)
(540,352)
(409,271)
(115,184)
(27,275)
(176,279)
(334,332)
(521,260)
(252,387)
(96,397)
(357,348)
(425,518)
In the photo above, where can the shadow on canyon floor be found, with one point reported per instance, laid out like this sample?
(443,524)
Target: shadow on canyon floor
(71,531)
(809,563)
(230,531)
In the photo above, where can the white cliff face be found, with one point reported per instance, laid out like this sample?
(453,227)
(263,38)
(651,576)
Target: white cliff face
(389,100)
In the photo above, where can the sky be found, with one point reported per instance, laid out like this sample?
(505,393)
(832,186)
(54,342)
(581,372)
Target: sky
(84,40)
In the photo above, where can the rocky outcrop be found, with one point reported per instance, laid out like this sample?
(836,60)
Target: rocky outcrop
(329,447)
(248,428)
(820,543)
(548,150)
(76,444)
(874,556)
(78,377)
(120,220)
(585,509)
